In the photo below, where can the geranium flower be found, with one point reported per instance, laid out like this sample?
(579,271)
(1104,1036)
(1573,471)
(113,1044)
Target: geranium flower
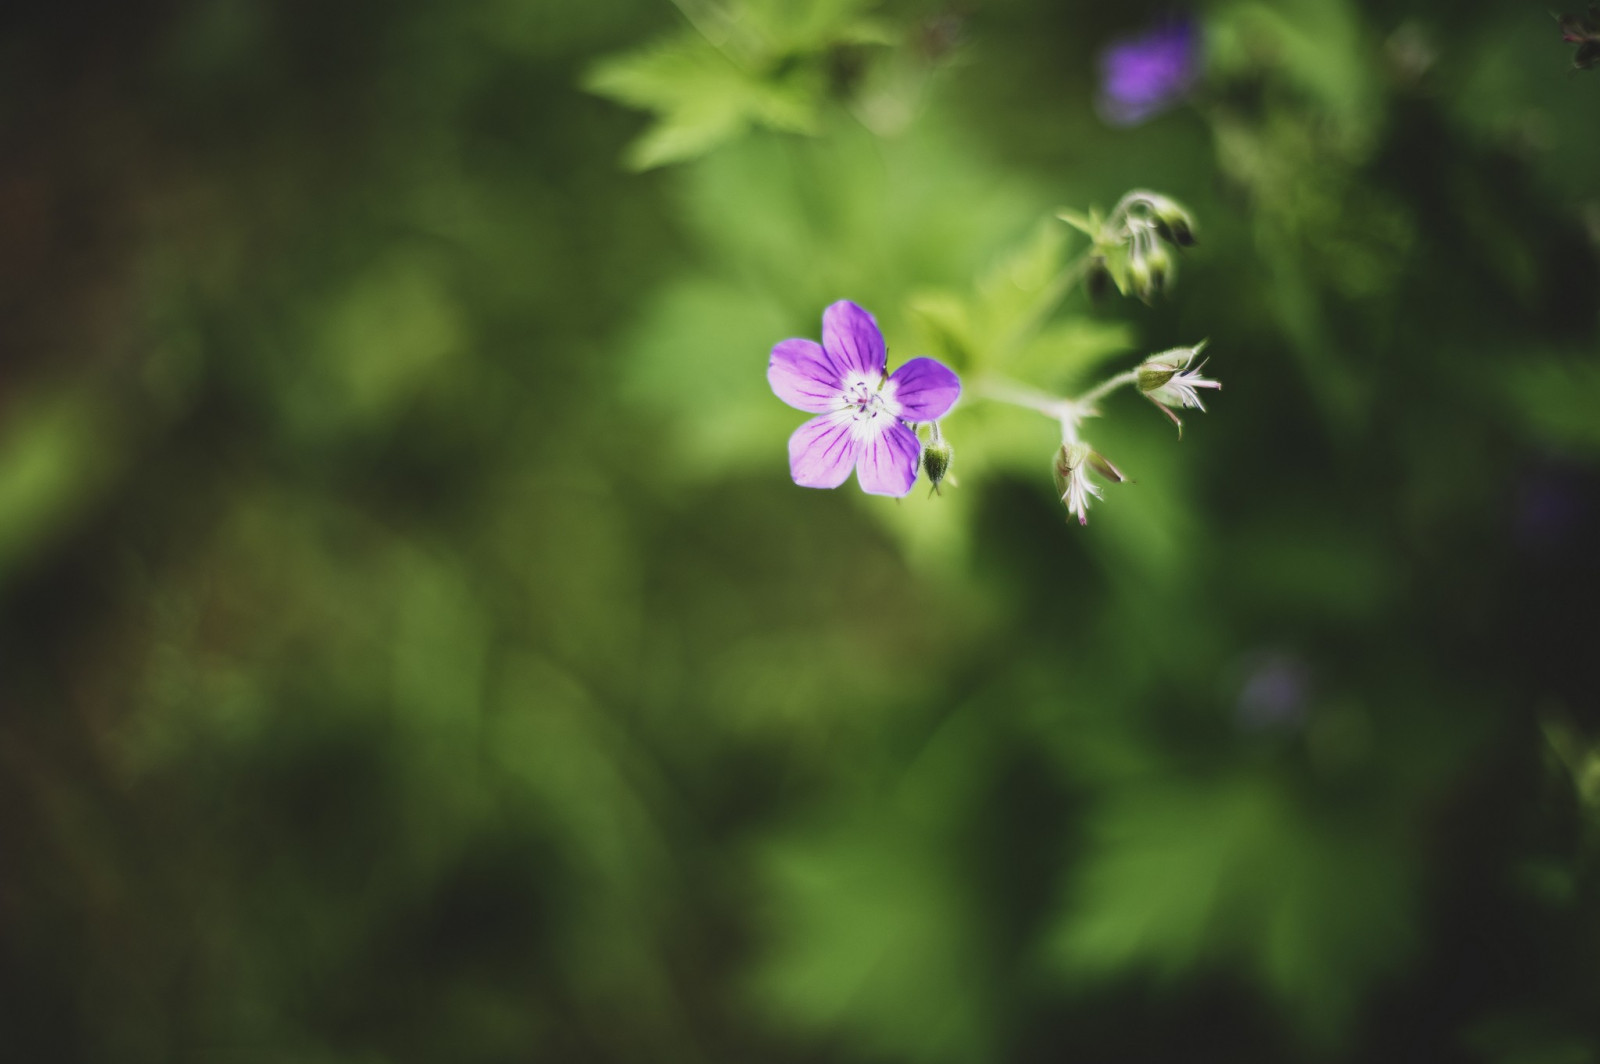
(865,415)
(1142,76)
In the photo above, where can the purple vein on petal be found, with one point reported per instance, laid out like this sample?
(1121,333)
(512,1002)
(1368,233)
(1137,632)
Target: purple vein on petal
(823,451)
(852,341)
(800,375)
(925,388)
(888,461)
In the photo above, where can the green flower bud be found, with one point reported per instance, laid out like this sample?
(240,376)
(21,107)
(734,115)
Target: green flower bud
(1162,268)
(1140,277)
(1173,224)
(1150,268)
(1179,231)
(936,458)
(1097,282)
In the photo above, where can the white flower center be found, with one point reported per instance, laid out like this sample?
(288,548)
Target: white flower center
(869,401)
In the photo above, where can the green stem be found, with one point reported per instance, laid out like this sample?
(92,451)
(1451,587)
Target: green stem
(1068,412)
(1105,388)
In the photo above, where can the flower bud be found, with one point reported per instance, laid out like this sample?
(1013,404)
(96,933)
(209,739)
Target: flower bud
(1139,276)
(1097,281)
(1172,223)
(936,458)
(1177,229)
(1150,269)
(1162,267)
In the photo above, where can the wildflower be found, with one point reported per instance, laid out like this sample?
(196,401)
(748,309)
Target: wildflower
(1143,76)
(1167,380)
(1073,462)
(865,415)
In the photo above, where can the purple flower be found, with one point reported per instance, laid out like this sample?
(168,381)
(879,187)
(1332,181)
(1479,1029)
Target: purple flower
(863,413)
(1142,76)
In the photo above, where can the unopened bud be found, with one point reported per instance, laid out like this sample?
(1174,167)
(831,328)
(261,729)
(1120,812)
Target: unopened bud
(1172,222)
(936,458)
(1097,282)
(1140,277)
(1150,268)
(1161,268)
(1180,232)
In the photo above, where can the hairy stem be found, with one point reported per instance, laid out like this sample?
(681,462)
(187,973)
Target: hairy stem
(1069,412)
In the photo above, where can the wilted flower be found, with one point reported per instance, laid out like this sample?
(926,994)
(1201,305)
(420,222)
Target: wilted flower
(1142,76)
(1073,462)
(1168,380)
(864,413)
(1584,31)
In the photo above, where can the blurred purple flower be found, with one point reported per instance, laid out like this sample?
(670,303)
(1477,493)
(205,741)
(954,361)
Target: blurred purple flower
(1275,692)
(864,414)
(1142,76)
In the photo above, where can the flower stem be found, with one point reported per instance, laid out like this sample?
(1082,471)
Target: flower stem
(1105,388)
(1069,412)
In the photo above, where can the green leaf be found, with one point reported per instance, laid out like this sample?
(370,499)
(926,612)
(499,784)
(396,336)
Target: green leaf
(1553,396)
(796,27)
(1082,223)
(1235,874)
(702,97)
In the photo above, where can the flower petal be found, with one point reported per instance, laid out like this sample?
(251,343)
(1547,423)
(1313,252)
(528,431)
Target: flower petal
(823,450)
(852,340)
(801,376)
(888,462)
(925,388)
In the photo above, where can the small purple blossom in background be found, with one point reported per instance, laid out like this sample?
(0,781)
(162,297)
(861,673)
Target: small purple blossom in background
(1142,76)
(1276,693)
(864,412)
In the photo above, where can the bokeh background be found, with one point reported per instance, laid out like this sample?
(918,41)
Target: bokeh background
(412,647)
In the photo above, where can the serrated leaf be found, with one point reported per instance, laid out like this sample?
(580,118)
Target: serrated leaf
(703,98)
(1078,221)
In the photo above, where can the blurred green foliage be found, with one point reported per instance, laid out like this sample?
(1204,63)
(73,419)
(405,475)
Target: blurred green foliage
(413,648)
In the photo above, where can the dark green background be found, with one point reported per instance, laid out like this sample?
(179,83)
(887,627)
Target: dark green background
(412,647)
